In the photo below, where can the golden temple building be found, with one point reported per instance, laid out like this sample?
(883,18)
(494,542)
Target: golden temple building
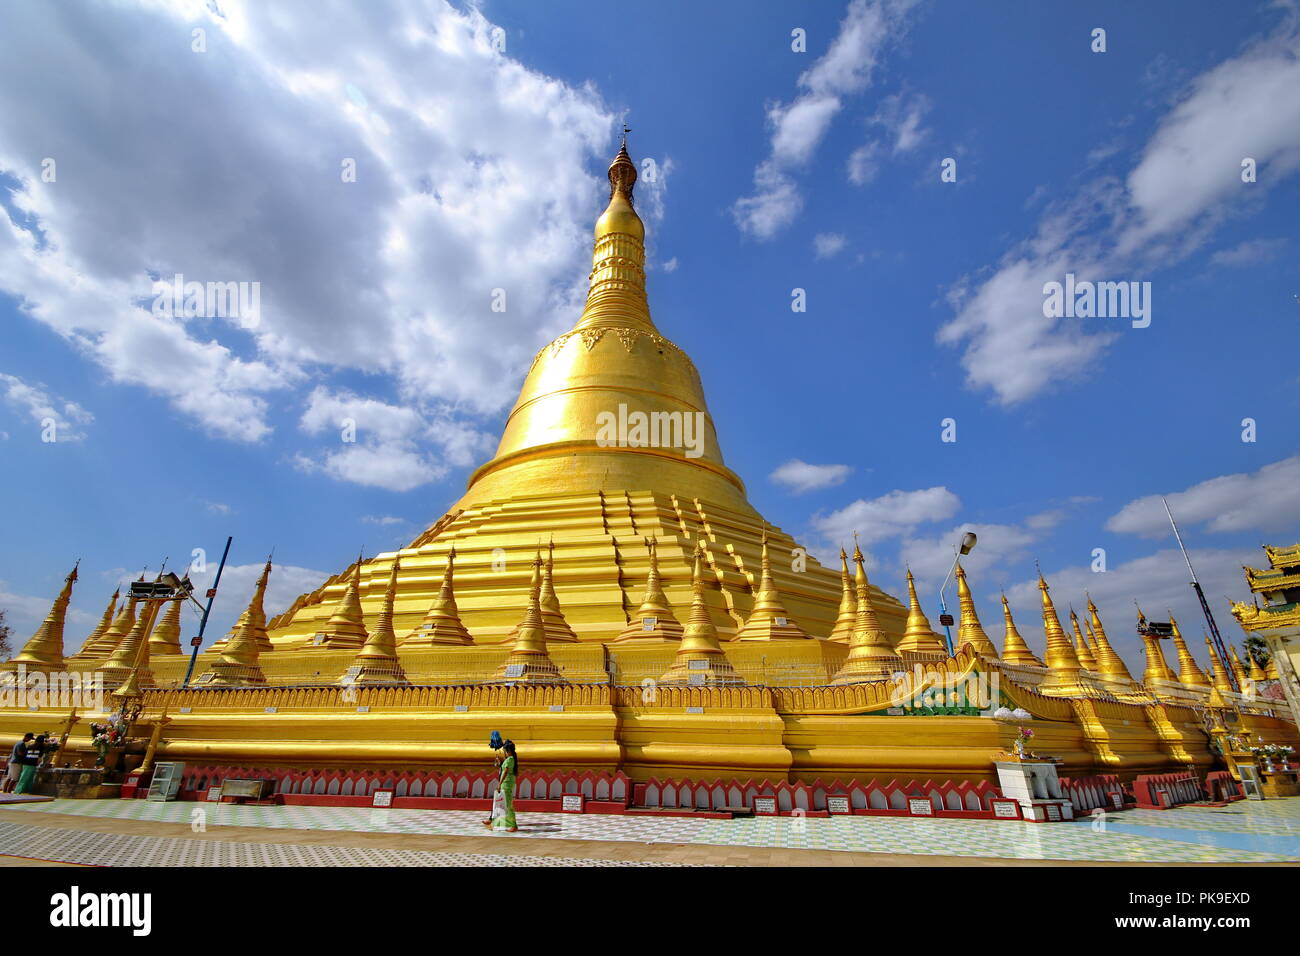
(1278,621)
(618,605)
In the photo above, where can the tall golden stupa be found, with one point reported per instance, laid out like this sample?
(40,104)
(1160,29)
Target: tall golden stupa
(564,472)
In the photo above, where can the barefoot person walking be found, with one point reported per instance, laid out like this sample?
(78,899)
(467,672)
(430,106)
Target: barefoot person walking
(509,771)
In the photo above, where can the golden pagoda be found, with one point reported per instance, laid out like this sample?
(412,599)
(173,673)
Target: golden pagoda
(847,618)
(442,625)
(109,639)
(44,651)
(1114,672)
(130,659)
(238,663)
(1222,682)
(102,627)
(1063,669)
(166,637)
(1189,672)
(346,627)
(970,632)
(919,641)
(528,662)
(871,657)
(700,658)
(1014,648)
(1082,649)
(376,662)
(769,620)
(1277,621)
(1238,670)
(553,621)
(653,620)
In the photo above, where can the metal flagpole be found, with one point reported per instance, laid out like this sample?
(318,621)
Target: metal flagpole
(212,593)
(1200,595)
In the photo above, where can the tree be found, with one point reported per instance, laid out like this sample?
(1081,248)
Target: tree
(1257,648)
(5,631)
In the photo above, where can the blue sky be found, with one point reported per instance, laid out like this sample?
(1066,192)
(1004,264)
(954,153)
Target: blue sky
(481,168)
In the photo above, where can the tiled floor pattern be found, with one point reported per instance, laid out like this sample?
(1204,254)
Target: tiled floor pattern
(1244,832)
(117,849)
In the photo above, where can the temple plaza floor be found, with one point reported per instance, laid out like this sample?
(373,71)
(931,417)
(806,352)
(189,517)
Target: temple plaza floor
(140,833)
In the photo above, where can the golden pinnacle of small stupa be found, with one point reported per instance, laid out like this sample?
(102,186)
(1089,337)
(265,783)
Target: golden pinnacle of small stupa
(1081,647)
(528,661)
(108,641)
(102,627)
(970,633)
(768,620)
(1238,670)
(1063,668)
(1109,664)
(1221,681)
(1014,648)
(377,661)
(1189,672)
(847,619)
(700,652)
(1157,670)
(918,638)
(654,619)
(442,624)
(238,661)
(871,656)
(557,628)
(166,637)
(347,625)
(44,650)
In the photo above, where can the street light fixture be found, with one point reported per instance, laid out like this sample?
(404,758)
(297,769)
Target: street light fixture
(967,544)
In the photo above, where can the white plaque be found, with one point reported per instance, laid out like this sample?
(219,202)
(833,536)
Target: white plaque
(514,670)
(697,680)
(571,803)
(1053,812)
(1005,809)
(187,710)
(461,708)
(214,794)
(780,622)
(920,807)
(363,709)
(1118,800)
(895,712)
(557,708)
(837,804)
(697,665)
(381,798)
(649,623)
(765,804)
(269,710)
(318,639)
(694,710)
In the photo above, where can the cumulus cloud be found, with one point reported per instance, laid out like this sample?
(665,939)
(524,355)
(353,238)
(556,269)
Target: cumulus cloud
(898,126)
(1250,252)
(67,417)
(1184,185)
(827,244)
(798,127)
(799,476)
(888,516)
(471,180)
(1247,501)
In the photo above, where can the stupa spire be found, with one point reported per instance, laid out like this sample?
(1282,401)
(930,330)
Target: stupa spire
(238,660)
(102,627)
(528,661)
(376,662)
(1109,663)
(121,626)
(1014,648)
(616,297)
(1157,671)
(1063,669)
(442,625)
(166,637)
(557,628)
(871,657)
(1081,648)
(769,620)
(1189,672)
(847,618)
(970,632)
(700,658)
(130,659)
(45,648)
(654,619)
(917,637)
(347,625)
(1221,682)
(1238,670)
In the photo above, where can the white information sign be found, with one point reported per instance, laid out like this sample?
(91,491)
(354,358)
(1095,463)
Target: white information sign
(765,805)
(571,803)
(837,804)
(920,807)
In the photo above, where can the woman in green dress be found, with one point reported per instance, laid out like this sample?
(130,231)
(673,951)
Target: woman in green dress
(509,771)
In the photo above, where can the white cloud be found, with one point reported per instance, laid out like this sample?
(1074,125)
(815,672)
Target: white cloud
(828,244)
(25,612)
(888,516)
(864,163)
(286,583)
(799,476)
(42,407)
(461,152)
(798,127)
(670,265)
(1261,500)
(383,520)
(1250,252)
(900,121)
(1185,184)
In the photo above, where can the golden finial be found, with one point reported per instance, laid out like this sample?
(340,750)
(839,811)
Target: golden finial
(1014,648)
(970,633)
(918,638)
(1063,668)
(1222,682)
(557,628)
(1082,650)
(1111,666)
(846,619)
(1189,673)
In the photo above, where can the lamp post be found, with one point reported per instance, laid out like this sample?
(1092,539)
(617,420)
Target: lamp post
(967,544)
